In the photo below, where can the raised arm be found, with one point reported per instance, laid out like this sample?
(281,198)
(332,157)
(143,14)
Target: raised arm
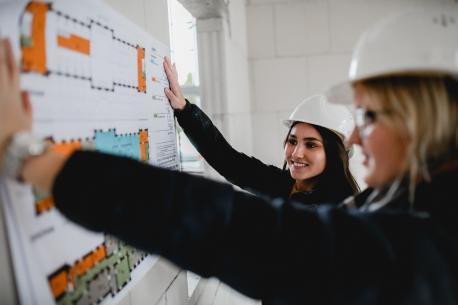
(242,170)
(271,250)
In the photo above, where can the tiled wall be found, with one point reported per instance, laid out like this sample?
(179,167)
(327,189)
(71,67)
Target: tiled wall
(237,112)
(298,48)
(152,16)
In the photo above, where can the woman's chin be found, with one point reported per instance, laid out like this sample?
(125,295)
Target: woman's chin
(300,175)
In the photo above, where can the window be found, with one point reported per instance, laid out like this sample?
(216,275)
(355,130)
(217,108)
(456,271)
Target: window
(183,44)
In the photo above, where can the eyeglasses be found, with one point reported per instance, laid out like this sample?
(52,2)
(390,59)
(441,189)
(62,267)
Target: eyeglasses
(365,118)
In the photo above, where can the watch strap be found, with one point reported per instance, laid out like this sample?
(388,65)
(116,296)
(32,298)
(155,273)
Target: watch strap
(23,146)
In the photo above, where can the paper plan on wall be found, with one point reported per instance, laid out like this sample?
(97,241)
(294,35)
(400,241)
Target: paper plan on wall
(95,81)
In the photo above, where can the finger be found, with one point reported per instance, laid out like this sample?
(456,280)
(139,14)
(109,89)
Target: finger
(167,59)
(3,65)
(173,80)
(168,65)
(27,107)
(167,70)
(165,62)
(175,87)
(172,76)
(170,95)
(11,63)
(175,76)
(175,70)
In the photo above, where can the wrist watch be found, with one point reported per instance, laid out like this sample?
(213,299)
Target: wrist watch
(23,146)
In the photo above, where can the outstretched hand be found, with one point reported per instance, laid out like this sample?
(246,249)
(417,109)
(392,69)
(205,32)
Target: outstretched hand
(174,94)
(15,109)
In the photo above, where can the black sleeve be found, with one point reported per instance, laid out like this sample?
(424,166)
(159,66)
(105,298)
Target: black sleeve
(265,249)
(238,168)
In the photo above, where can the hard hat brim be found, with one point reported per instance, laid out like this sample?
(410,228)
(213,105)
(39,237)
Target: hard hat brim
(341,93)
(288,123)
(349,149)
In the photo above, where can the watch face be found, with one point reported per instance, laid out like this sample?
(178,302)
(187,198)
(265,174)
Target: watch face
(23,146)
(36,149)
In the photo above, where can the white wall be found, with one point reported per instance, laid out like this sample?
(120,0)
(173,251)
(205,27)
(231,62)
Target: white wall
(298,48)
(224,75)
(239,97)
(152,16)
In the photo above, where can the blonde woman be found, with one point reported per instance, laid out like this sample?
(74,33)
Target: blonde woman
(396,243)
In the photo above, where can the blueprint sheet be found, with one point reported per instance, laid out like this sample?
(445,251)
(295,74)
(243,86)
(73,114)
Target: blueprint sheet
(96,81)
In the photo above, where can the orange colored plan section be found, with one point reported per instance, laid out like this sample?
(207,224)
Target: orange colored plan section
(34,53)
(59,281)
(87,262)
(66,148)
(141,72)
(58,284)
(45,204)
(75,43)
(144,145)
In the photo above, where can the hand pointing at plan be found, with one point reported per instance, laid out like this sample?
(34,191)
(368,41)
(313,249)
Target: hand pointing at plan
(16,119)
(15,110)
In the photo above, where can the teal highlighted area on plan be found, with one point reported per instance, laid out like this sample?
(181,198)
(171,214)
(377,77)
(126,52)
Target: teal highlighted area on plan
(127,145)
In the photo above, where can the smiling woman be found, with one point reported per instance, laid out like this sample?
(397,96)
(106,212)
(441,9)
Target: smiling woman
(407,103)
(318,167)
(305,154)
(315,152)
(378,130)
(397,122)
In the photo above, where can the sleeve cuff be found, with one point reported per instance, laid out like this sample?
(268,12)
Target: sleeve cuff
(184,111)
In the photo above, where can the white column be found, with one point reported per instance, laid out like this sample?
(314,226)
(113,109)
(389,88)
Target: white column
(212,68)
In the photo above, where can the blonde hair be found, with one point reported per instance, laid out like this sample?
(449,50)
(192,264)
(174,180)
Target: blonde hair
(425,110)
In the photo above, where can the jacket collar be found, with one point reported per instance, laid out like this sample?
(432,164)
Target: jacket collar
(437,196)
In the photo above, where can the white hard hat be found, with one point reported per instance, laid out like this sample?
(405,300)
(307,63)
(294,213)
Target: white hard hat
(317,111)
(415,42)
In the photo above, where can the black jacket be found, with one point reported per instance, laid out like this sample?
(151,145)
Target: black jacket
(246,172)
(276,250)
